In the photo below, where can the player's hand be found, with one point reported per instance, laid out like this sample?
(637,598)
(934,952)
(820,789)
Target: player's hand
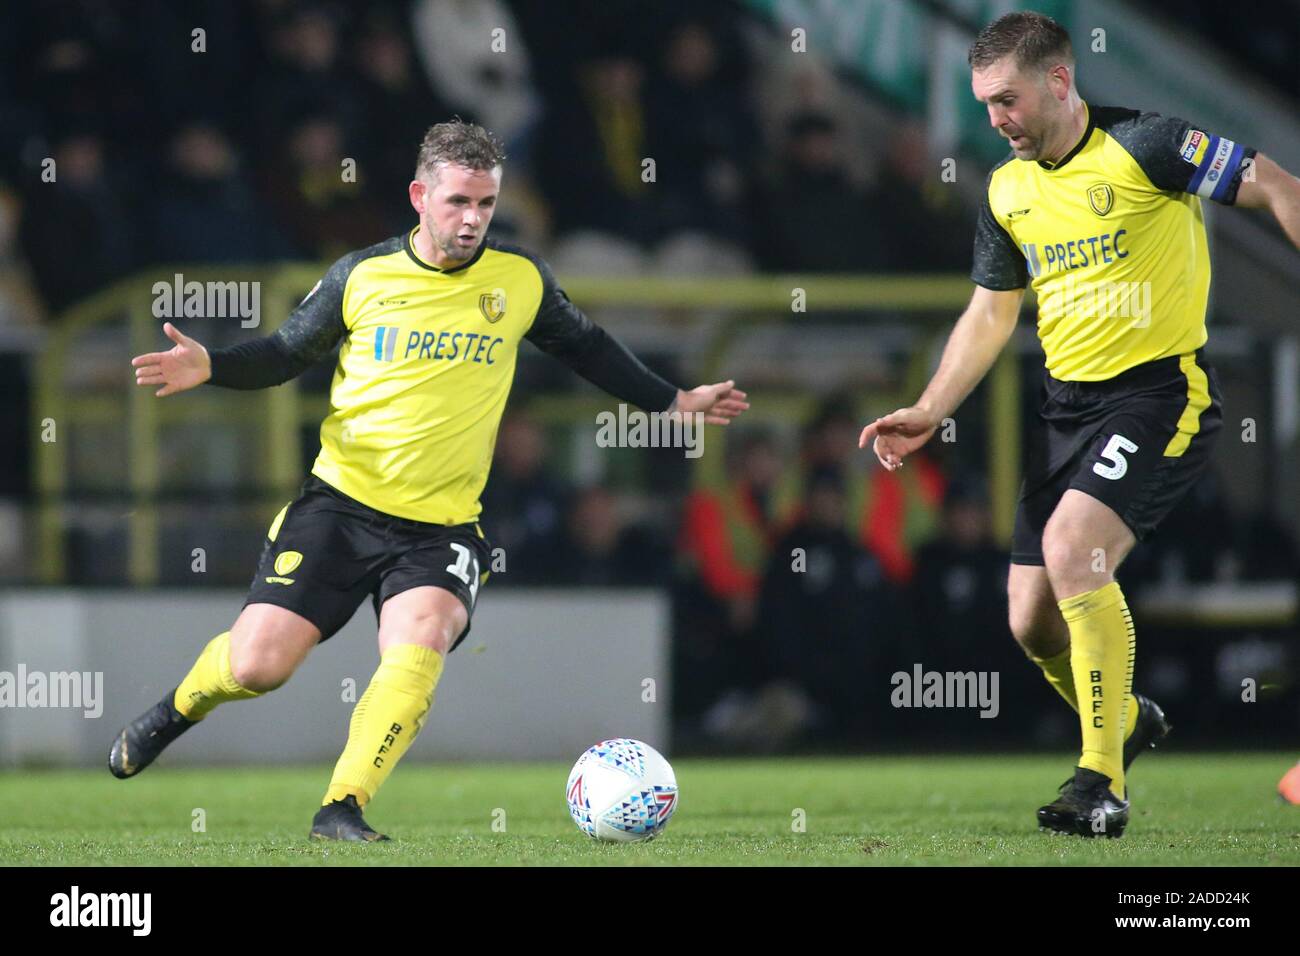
(720,403)
(898,434)
(184,366)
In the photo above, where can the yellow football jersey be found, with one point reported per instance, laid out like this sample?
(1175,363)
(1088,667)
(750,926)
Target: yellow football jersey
(425,365)
(422,379)
(1112,237)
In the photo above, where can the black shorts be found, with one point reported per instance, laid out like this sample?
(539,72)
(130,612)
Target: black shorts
(1136,443)
(326,551)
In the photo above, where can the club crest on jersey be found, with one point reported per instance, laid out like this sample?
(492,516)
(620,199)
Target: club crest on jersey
(286,561)
(1101,198)
(492,305)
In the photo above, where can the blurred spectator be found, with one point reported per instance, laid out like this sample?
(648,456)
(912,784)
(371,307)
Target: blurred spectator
(928,222)
(811,217)
(726,537)
(701,125)
(958,594)
(205,210)
(958,624)
(524,504)
(590,152)
(600,549)
(727,532)
(827,614)
(323,213)
(890,513)
(400,105)
(82,201)
(77,62)
(189,77)
(308,76)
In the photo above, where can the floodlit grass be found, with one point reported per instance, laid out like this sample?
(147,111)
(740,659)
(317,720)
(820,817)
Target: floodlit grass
(1188,810)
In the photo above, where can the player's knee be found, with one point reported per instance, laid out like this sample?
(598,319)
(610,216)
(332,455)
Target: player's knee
(438,631)
(433,628)
(1067,560)
(261,667)
(1075,558)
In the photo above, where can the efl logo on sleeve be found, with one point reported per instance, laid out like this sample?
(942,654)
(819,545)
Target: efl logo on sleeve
(1193,148)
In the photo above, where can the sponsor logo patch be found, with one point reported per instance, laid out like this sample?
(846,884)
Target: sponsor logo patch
(385,342)
(1193,148)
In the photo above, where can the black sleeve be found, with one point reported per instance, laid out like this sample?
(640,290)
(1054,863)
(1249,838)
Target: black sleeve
(308,335)
(998,263)
(1178,157)
(562,330)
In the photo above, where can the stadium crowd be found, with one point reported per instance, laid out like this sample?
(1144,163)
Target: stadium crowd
(163,154)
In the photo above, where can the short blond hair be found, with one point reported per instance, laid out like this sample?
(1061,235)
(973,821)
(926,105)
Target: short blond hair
(460,144)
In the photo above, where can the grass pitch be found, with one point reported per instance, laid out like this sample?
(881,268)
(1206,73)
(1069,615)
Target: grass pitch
(867,811)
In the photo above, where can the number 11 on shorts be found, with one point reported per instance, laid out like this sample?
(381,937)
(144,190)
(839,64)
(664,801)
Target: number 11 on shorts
(462,571)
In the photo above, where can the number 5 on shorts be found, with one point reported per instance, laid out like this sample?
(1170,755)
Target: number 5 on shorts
(1114,454)
(462,571)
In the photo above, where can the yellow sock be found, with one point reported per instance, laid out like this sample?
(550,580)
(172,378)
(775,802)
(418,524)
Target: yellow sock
(210,681)
(1102,642)
(1060,675)
(385,721)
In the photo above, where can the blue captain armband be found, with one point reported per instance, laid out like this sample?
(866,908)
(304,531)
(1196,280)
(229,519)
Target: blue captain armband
(1219,163)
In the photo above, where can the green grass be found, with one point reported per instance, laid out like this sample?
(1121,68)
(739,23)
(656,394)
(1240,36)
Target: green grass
(1188,810)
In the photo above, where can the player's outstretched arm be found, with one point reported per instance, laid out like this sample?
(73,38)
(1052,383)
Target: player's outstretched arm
(1273,188)
(563,331)
(718,403)
(309,334)
(184,366)
(973,346)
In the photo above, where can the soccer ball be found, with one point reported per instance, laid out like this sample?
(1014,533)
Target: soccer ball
(622,791)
